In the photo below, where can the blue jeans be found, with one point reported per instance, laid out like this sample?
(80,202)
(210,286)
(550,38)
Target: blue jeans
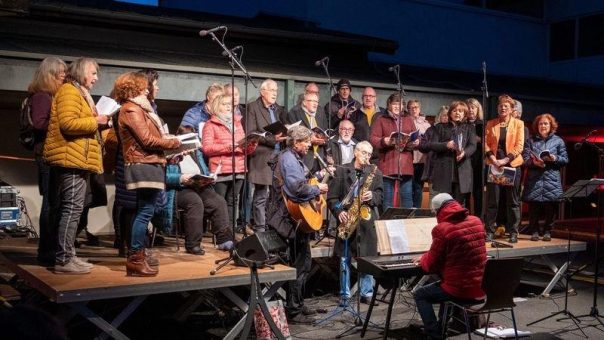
(405,192)
(365,285)
(145,202)
(425,297)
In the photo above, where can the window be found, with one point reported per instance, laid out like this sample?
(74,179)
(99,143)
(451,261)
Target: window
(562,40)
(591,36)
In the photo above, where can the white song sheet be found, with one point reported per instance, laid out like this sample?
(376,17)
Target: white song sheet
(397,234)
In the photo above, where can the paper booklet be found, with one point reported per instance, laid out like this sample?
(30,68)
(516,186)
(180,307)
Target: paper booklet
(403,137)
(203,180)
(107,106)
(278,127)
(252,136)
(544,153)
(326,134)
(501,176)
(188,145)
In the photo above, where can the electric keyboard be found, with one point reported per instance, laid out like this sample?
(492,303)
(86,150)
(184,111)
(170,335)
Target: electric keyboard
(394,266)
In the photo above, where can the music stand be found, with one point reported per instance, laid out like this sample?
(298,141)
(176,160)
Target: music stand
(584,188)
(404,213)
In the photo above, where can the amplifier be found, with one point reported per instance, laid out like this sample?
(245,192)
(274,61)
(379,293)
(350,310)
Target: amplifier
(257,247)
(8,197)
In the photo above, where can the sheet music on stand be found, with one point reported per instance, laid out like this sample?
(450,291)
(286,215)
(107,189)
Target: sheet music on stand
(583,188)
(404,236)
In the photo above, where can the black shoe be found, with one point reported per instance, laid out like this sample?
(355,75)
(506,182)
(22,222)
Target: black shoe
(535,236)
(367,300)
(547,236)
(196,250)
(489,237)
(513,238)
(92,240)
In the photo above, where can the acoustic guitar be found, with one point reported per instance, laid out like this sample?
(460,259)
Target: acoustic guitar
(308,214)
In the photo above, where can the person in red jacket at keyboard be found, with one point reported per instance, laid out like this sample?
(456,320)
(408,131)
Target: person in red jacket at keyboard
(457,255)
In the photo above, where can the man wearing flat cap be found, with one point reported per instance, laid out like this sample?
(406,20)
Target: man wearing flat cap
(458,256)
(341,104)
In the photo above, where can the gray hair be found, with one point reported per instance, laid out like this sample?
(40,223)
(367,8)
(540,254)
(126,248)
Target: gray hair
(265,84)
(518,107)
(297,134)
(365,144)
(77,69)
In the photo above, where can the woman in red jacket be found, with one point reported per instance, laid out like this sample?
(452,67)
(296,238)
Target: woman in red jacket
(217,145)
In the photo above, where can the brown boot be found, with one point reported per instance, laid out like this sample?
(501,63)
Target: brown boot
(136,265)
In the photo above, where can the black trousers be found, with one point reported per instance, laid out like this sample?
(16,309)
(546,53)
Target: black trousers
(511,198)
(198,205)
(299,258)
(547,210)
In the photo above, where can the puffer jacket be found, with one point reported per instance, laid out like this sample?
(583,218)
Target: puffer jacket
(142,140)
(71,140)
(217,143)
(458,252)
(544,184)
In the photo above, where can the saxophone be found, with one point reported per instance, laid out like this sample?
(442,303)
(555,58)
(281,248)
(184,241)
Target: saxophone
(357,209)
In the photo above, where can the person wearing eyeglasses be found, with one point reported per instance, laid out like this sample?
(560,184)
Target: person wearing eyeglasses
(340,151)
(310,117)
(341,105)
(262,112)
(414,107)
(363,241)
(366,114)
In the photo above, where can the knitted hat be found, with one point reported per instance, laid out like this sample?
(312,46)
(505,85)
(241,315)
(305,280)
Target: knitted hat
(439,200)
(343,83)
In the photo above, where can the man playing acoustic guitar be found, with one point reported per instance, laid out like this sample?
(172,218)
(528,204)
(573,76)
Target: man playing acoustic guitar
(290,180)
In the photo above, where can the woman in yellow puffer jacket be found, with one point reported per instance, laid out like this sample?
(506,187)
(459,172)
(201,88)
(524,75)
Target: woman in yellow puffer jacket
(73,150)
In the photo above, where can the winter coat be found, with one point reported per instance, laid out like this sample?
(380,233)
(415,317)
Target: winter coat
(259,117)
(71,139)
(337,103)
(544,184)
(458,253)
(443,163)
(217,143)
(297,114)
(195,115)
(361,125)
(391,161)
(142,139)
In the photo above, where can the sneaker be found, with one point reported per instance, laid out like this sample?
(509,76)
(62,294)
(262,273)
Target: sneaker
(71,267)
(344,302)
(547,236)
(308,311)
(82,262)
(513,238)
(535,236)
(489,237)
(92,240)
(226,246)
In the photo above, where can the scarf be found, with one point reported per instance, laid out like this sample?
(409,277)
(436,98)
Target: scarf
(142,101)
(227,119)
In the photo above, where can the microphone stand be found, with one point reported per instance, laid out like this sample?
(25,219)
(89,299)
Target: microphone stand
(401,95)
(325,65)
(485,96)
(234,62)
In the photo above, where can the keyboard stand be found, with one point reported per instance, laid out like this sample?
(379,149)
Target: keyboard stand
(396,285)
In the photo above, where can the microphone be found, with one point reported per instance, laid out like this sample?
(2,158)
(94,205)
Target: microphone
(233,50)
(322,61)
(203,33)
(395,67)
(484,67)
(584,140)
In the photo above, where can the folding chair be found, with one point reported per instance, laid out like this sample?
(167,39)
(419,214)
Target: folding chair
(501,278)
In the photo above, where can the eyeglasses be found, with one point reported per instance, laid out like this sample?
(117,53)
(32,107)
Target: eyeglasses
(347,129)
(271,90)
(311,100)
(368,96)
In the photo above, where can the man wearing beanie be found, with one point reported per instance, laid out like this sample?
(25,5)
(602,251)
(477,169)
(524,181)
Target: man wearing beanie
(457,255)
(341,105)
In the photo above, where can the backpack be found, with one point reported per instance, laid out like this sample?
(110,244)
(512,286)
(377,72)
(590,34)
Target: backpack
(26,126)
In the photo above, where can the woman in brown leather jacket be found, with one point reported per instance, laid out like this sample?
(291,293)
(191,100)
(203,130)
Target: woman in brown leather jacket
(143,143)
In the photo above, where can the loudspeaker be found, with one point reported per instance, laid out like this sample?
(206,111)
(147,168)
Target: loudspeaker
(258,246)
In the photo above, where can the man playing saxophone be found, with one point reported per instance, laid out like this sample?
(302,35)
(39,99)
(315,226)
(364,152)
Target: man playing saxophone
(353,197)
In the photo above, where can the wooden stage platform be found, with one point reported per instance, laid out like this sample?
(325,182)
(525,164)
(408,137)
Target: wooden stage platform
(178,272)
